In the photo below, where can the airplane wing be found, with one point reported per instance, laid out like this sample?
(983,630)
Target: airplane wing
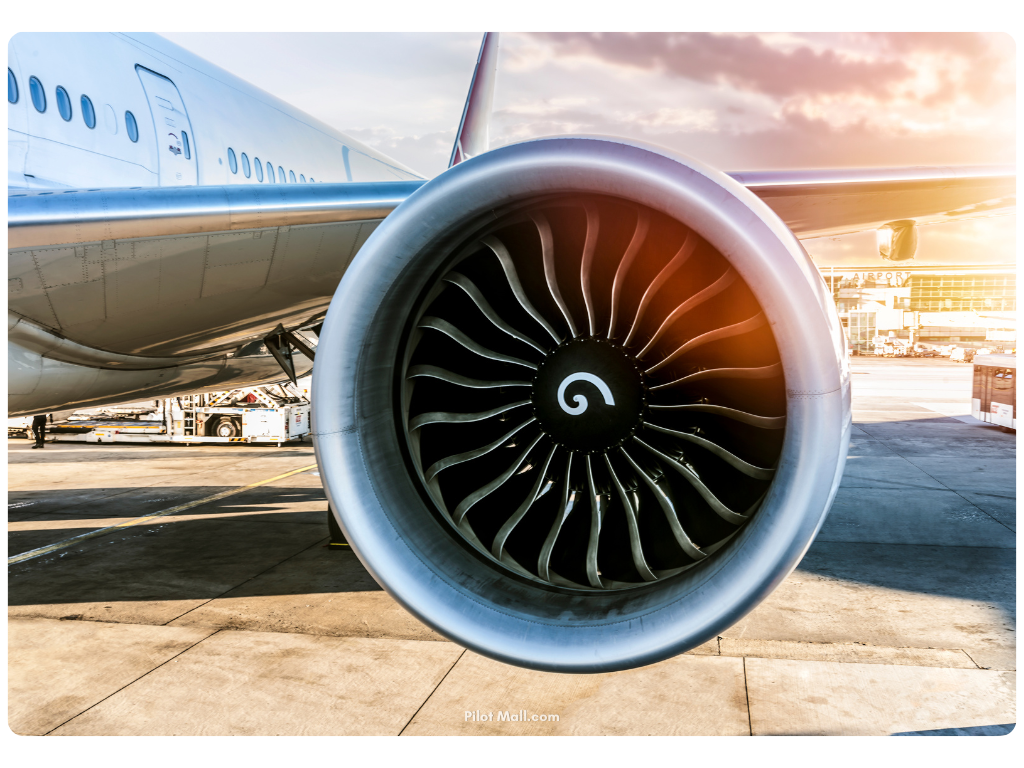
(75,216)
(817,203)
(146,293)
(185,271)
(812,203)
(156,278)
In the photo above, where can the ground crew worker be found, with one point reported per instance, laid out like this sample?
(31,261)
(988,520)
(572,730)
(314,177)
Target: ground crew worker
(39,429)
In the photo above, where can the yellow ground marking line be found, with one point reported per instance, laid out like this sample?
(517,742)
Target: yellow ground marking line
(163,513)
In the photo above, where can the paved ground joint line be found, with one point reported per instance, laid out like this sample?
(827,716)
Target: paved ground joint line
(973,660)
(953,490)
(746,692)
(440,682)
(144,674)
(154,484)
(246,581)
(59,510)
(33,553)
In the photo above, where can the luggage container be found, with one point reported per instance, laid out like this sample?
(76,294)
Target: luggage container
(994,399)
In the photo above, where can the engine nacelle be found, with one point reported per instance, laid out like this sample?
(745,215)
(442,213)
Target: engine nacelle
(897,240)
(580,404)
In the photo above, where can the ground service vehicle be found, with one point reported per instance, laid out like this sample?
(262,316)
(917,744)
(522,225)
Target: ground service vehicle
(269,414)
(994,399)
(19,426)
(888,346)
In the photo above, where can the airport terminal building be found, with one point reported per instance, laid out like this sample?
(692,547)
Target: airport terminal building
(973,306)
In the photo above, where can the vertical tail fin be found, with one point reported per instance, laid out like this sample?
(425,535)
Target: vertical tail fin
(473,137)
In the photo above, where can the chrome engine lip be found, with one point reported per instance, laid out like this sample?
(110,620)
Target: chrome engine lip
(421,565)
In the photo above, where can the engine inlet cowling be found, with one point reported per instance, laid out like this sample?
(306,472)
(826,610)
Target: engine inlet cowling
(581,404)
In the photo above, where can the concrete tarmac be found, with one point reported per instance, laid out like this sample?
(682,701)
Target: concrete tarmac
(233,617)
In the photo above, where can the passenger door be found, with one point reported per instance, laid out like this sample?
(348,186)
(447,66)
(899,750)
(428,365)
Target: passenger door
(176,149)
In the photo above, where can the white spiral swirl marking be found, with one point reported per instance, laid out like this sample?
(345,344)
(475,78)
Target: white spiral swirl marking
(580,400)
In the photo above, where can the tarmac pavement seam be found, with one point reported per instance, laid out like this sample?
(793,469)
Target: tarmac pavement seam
(994,495)
(23,526)
(910,459)
(319,542)
(824,698)
(746,693)
(126,685)
(847,653)
(33,553)
(259,683)
(983,511)
(424,702)
(995,668)
(156,483)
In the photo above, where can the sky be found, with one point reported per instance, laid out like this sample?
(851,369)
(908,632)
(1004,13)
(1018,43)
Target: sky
(734,101)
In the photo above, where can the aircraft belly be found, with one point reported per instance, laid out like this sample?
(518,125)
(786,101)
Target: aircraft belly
(177,295)
(24,370)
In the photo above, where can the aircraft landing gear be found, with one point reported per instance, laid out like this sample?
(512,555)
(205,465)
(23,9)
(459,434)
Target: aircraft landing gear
(338,540)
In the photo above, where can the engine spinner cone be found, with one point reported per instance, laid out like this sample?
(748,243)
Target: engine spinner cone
(589,395)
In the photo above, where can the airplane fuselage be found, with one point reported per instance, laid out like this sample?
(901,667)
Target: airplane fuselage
(100,316)
(167,92)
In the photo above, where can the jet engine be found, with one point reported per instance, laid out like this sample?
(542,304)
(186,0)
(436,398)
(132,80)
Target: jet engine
(581,404)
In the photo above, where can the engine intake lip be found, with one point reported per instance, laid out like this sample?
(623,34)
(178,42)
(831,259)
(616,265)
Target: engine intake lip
(407,549)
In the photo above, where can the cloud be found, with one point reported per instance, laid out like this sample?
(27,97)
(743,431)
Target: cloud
(738,101)
(877,66)
(748,102)
(794,140)
(745,62)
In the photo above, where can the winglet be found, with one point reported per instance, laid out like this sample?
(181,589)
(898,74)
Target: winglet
(473,137)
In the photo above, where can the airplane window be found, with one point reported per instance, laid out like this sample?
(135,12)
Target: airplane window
(302,178)
(291,176)
(232,160)
(132,126)
(245,165)
(184,141)
(63,103)
(270,173)
(258,167)
(12,87)
(280,173)
(88,113)
(35,88)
